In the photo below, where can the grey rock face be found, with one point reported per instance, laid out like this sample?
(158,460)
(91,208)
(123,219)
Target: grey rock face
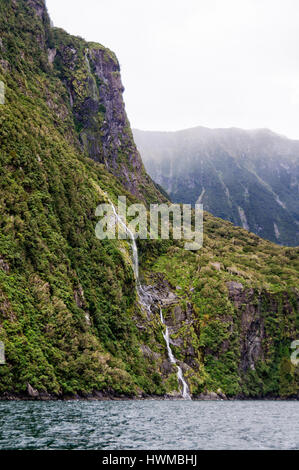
(210,396)
(94,102)
(91,74)
(3,265)
(31,391)
(253,331)
(252,325)
(161,295)
(38,6)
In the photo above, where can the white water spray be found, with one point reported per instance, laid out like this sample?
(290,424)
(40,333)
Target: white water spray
(185,390)
(146,300)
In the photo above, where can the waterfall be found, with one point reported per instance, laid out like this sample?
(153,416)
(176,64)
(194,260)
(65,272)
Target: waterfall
(145,299)
(185,390)
(134,246)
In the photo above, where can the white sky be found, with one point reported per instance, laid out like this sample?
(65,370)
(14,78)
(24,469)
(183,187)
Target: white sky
(184,63)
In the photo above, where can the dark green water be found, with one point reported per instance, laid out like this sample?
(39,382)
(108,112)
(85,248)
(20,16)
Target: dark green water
(150,425)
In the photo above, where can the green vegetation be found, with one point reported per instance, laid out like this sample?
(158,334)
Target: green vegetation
(69,316)
(222,325)
(68,301)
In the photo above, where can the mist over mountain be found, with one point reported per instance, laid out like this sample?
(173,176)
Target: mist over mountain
(248,177)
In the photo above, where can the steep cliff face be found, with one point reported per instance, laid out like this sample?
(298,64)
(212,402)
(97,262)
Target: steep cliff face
(91,74)
(252,326)
(262,313)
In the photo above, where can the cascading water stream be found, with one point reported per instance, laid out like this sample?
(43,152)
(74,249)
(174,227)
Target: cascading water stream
(185,390)
(144,297)
(146,300)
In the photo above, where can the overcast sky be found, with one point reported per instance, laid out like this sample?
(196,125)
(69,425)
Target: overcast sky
(184,63)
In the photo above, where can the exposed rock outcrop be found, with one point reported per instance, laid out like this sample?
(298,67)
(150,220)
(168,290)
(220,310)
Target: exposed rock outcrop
(252,325)
(255,308)
(39,7)
(32,392)
(91,74)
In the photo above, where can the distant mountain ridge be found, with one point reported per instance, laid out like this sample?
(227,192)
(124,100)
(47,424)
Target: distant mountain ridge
(249,177)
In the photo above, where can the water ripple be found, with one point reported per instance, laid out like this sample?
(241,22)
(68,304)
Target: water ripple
(149,425)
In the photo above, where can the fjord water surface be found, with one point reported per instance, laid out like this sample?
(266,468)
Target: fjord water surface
(149,424)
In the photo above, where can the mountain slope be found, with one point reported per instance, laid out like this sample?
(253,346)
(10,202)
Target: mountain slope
(235,311)
(250,178)
(70,318)
(67,299)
